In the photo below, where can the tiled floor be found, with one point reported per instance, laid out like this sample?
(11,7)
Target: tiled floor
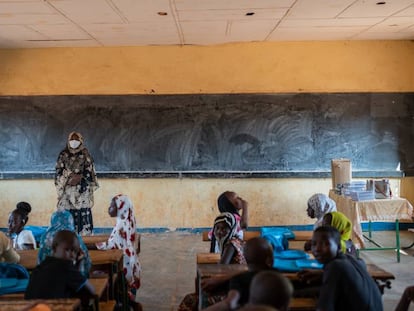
(168,263)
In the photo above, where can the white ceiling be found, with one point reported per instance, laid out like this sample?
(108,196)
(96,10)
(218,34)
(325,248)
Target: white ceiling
(56,23)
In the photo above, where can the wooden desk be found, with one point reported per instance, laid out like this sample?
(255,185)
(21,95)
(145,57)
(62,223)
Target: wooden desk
(91,240)
(112,262)
(101,290)
(100,285)
(302,235)
(211,270)
(382,278)
(28,258)
(71,304)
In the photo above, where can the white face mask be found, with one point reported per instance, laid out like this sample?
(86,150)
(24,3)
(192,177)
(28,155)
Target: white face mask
(74,144)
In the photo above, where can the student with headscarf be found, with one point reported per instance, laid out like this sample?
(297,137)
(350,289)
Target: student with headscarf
(229,245)
(231,249)
(63,220)
(124,236)
(231,202)
(344,226)
(75,181)
(318,205)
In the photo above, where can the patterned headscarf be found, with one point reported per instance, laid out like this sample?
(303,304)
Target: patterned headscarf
(230,221)
(124,236)
(62,220)
(80,138)
(321,204)
(344,226)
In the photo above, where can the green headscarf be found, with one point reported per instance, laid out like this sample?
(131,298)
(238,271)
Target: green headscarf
(343,225)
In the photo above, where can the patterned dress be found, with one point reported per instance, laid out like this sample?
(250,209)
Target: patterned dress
(124,236)
(77,199)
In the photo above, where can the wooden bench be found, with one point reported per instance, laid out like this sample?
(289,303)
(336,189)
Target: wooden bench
(302,235)
(107,305)
(208,258)
(247,235)
(91,240)
(302,304)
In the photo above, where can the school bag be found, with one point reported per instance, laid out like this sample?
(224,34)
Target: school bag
(14,278)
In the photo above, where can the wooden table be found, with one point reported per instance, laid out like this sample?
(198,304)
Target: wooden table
(71,304)
(110,261)
(28,258)
(383,210)
(91,240)
(382,278)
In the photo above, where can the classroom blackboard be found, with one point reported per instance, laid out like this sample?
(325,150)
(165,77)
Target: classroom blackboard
(211,133)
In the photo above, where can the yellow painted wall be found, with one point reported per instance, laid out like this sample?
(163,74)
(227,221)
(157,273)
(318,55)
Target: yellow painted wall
(349,66)
(356,66)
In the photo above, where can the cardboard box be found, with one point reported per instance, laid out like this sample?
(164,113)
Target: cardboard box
(341,171)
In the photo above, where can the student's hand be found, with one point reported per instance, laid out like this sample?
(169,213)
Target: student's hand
(74,179)
(310,276)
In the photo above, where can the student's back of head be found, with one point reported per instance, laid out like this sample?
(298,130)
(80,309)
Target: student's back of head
(258,252)
(271,288)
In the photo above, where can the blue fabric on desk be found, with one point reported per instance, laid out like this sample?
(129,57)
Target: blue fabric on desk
(285,265)
(278,230)
(11,285)
(309,264)
(277,237)
(291,254)
(278,241)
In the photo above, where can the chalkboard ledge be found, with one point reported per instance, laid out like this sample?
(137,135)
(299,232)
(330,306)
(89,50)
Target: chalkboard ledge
(215,174)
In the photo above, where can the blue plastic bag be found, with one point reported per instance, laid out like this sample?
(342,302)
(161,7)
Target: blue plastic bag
(277,231)
(278,241)
(13,271)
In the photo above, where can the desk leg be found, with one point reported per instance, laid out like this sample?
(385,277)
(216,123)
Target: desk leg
(397,239)
(397,247)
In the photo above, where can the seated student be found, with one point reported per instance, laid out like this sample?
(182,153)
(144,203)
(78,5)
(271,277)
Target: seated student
(58,276)
(344,226)
(267,288)
(231,249)
(229,245)
(346,283)
(231,202)
(22,239)
(63,220)
(124,236)
(259,256)
(7,252)
(318,205)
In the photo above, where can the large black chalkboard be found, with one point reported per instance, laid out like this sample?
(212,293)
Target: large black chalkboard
(211,133)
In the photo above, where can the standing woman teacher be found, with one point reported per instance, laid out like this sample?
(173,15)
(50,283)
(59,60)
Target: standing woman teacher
(75,181)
